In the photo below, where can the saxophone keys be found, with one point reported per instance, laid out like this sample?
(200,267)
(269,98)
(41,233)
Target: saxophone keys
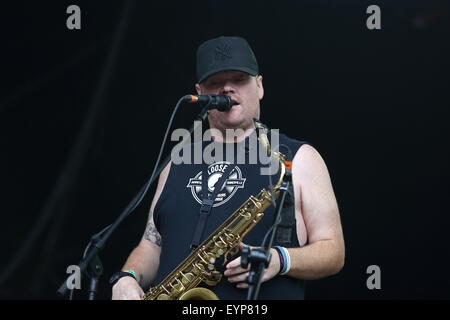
(177,288)
(225,258)
(198,268)
(187,278)
(163,296)
(214,278)
(234,251)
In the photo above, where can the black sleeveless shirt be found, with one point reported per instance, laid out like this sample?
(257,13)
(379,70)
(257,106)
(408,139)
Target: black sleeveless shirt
(177,212)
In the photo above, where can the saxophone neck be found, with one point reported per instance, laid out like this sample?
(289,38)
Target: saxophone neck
(262,132)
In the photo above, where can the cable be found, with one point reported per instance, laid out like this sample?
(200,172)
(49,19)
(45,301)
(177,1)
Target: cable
(272,192)
(141,194)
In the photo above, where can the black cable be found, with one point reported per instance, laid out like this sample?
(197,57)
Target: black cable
(141,194)
(97,243)
(263,254)
(272,192)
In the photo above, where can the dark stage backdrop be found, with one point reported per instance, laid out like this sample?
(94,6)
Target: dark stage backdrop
(83,112)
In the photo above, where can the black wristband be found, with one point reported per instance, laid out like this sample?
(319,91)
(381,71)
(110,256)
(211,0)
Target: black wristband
(116,276)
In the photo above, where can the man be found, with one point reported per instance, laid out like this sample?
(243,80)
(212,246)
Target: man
(315,247)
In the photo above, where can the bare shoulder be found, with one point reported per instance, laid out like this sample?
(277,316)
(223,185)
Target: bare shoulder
(310,172)
(318,202)
(309,163)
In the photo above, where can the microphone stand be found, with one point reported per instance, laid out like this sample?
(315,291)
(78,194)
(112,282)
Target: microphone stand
(91,259)
(259,258)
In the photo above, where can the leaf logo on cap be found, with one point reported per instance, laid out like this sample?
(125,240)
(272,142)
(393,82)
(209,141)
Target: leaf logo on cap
(222,52)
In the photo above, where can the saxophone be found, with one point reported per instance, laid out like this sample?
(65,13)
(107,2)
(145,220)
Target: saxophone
(182,282)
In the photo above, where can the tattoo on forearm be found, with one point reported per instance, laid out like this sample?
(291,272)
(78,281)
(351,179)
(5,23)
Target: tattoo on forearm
(152,235)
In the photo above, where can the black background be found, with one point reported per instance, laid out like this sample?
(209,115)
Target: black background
(82,115)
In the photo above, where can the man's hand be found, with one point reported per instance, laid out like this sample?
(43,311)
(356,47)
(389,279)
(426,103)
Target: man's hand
(127,288)
(237,274)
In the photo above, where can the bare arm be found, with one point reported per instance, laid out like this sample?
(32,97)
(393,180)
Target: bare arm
(144,259)
(325,253)
(318,219)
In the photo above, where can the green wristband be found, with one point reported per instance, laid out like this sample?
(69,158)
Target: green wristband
(132,273)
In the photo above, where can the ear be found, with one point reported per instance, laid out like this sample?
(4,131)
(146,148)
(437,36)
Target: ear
(198,88)
(260,87)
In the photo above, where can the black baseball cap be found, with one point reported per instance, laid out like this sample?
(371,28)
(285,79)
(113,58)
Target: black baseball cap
(225,53)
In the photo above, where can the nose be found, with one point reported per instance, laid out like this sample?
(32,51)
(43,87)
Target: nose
(227,88)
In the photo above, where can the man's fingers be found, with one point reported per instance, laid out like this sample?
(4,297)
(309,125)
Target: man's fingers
(235,267)
(235,263)
(234,271)
(238,278)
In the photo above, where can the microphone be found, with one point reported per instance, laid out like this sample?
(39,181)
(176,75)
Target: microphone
(213,101)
